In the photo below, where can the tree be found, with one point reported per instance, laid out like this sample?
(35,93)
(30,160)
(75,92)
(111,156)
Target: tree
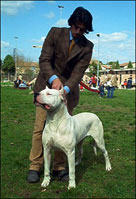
(111,63)
(117,66)
(0,64)
(93,67)
(8,65)
(130,65)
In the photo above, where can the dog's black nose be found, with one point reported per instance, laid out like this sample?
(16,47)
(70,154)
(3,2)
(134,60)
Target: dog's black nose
(35,96)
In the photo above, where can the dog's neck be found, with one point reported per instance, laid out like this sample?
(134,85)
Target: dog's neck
(58,114)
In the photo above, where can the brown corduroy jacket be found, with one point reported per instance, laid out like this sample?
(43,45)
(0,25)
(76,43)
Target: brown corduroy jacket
(54,60)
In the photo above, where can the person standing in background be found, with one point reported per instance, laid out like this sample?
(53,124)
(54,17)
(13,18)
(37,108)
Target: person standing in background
(111,82)
(93,80)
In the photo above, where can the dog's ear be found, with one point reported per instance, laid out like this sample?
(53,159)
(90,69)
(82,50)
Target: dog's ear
(47,88)
(62,95)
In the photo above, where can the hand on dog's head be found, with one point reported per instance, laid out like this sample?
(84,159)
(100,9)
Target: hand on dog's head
(45,97)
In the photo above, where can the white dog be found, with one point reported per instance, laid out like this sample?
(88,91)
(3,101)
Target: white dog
(64,132)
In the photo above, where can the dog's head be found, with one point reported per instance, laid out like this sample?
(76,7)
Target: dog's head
(50,98)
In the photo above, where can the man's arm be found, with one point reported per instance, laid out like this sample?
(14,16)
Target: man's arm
(45,59)
(46,56)
(57,84)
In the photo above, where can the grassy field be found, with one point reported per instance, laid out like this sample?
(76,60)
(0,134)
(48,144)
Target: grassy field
(118,117)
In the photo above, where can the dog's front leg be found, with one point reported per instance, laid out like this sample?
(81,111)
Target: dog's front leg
(71,163)
(47,162)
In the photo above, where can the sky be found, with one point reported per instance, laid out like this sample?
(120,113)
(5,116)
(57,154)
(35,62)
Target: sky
(26,23)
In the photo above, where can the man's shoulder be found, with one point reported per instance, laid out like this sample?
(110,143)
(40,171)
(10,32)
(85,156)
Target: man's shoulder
(87,42)
(59,29)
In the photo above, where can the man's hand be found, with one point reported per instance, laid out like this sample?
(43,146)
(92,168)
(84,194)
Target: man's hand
(57,84)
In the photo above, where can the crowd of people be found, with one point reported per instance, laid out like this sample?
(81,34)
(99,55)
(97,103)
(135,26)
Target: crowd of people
(18,81)
(109,83)
(127,83)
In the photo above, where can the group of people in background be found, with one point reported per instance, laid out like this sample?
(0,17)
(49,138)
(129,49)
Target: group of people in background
(127,83)
(110,83)
(18,81)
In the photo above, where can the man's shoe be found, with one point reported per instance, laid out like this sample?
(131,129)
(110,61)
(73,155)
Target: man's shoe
(61,175)
(33,176)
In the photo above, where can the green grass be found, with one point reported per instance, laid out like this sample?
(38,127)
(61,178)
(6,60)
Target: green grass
(117,115)
(7,84)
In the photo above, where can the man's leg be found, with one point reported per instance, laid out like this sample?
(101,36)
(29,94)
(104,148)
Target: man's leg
(112,92)
(36,153)
(108,94)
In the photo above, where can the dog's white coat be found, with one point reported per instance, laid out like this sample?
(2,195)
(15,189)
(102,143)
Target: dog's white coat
(65,132)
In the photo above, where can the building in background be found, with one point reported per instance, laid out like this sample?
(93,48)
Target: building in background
(122,73)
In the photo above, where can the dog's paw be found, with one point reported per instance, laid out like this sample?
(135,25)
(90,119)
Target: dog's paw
(108,167)
(45,182)
(77,163)
(71,185)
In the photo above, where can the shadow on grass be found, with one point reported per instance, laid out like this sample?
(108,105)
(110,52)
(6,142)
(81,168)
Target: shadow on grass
(89,161)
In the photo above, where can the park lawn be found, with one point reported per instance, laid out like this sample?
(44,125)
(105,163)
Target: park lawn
(93,181)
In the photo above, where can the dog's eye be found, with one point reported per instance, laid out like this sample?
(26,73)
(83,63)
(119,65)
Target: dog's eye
(48,94)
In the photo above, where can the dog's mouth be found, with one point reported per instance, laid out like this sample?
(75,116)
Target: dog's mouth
(46,106)
(39,102)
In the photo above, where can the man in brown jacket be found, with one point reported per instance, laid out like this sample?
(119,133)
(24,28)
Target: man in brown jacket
(65,56)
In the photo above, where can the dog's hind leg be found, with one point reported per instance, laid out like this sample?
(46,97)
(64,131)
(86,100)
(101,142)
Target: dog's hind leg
(80,152)
(97,135)
(101,145)
(47,162)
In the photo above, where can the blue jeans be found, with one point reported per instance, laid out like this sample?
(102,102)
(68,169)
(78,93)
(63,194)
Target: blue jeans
(110,92)
(101,89)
